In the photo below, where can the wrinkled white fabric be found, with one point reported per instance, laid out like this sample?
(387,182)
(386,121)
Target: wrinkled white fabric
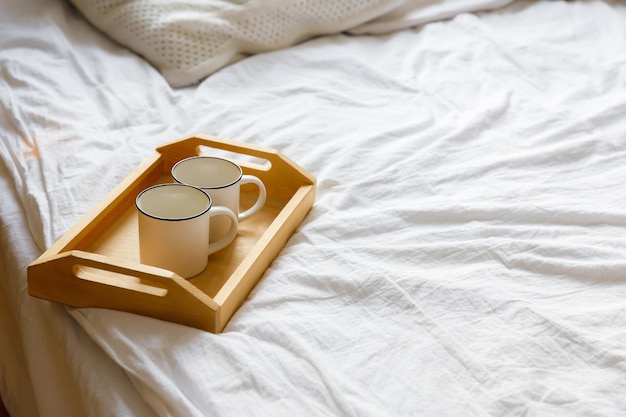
(465,254)
(187,40)
(48,365)
(412,13)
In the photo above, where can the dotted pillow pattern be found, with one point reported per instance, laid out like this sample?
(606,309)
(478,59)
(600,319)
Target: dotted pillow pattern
(187,40)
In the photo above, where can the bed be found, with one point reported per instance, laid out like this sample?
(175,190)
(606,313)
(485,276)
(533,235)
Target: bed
(466,251)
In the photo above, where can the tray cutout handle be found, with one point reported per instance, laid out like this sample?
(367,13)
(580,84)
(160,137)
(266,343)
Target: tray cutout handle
(256,163)
(279,164)
(83,279)
(117,279)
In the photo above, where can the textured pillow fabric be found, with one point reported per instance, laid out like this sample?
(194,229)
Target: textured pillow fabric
(190,39)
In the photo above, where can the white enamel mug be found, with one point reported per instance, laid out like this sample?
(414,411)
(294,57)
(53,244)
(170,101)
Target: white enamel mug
(221,179)
(174,224)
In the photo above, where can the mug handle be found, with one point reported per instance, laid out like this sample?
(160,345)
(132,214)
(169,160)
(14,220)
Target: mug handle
(230,236)
(251,179)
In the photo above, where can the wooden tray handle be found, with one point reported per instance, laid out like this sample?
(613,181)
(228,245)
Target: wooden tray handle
(93,280)
(183,148)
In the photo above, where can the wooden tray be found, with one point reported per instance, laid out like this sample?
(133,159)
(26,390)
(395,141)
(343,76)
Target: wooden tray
(96,263)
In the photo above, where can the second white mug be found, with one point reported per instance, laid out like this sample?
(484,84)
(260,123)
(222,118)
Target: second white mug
(221,179)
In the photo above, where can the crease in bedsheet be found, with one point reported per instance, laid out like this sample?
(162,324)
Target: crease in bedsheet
(537,355)
(337,382)
(150,379)
(410,314)
(332,387)
(426,295)
(54,119)
(417,12)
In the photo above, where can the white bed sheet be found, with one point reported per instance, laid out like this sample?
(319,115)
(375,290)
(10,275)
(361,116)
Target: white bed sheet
(50,367)
(465,255)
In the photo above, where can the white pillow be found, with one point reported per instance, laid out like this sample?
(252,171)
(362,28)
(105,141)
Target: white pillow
(188,40)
